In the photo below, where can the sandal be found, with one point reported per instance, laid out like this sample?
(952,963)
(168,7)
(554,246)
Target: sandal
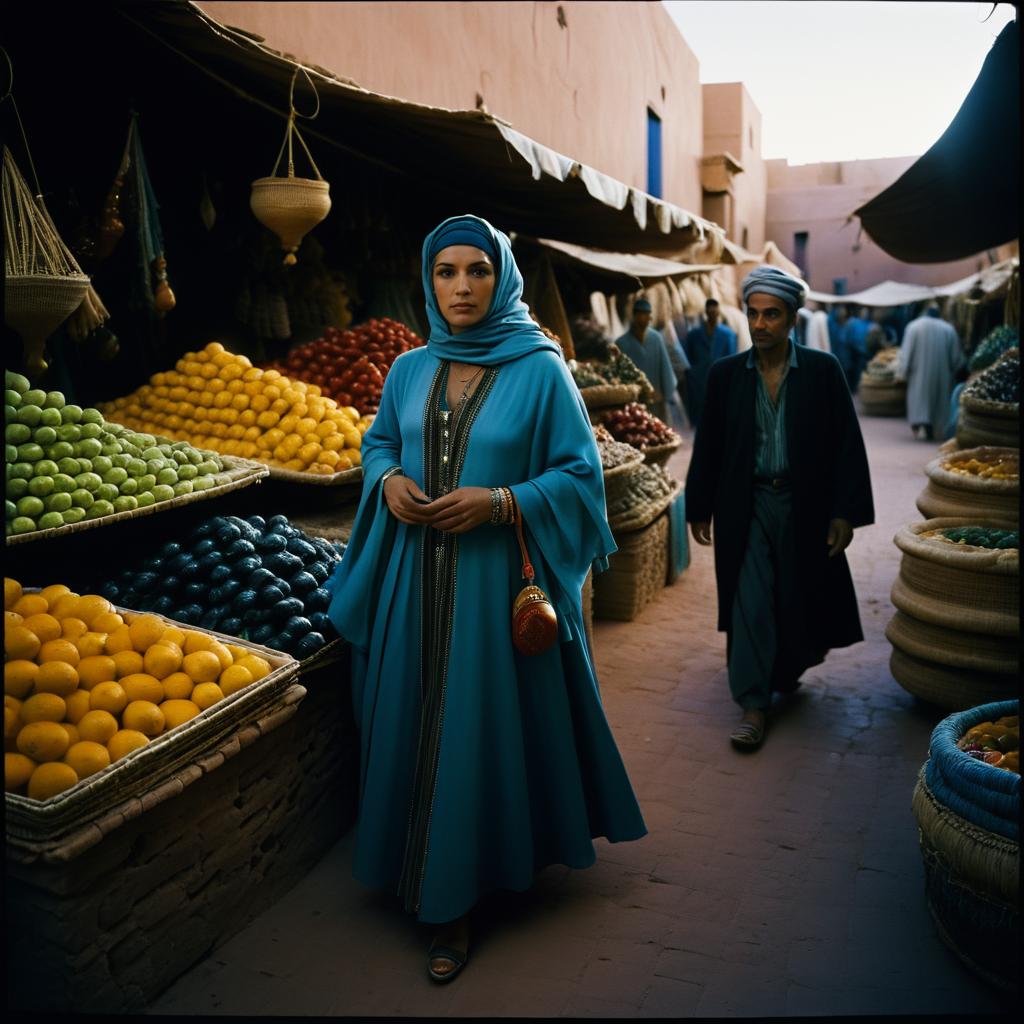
(439,952)
(747,735)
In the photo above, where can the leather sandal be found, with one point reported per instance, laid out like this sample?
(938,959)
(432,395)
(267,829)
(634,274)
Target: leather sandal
(440,952)
(747,735)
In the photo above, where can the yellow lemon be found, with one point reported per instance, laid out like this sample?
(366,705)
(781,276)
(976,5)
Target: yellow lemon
(206,695)
(235,678)
(145,631)
(66,606)
(12,724)
(72,628)
(142,686)
(50,779)
(257,666)
(107,622)
(77,706)
(97,726)
(173,635)
(144,716)
(44,707)
(18,770)
(57,677)
(237,651)
(43,741)
(91,607)
(97,668)
(12,593)
(12,619)
(53,591)
(60,650)
(19,677)
(73,734)
(20,643)
(196,641)
(44,625)
(90,644)
(223,654)
(108,697)
(201,666)
(30,604)
(127,662)
(87,758)
(161,660)
(177,686)
(177,712)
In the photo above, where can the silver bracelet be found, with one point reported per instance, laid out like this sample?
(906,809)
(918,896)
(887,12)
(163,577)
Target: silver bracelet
(390,472)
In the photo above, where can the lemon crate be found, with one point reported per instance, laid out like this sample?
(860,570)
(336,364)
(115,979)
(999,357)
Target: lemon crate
(37,824)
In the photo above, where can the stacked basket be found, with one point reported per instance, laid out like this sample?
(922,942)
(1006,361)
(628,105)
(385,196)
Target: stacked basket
(981,482)
(956,630)
(991,421)
(880,392)
(968,815)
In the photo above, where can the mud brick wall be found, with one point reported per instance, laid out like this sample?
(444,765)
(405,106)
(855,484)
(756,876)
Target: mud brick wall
(109,930)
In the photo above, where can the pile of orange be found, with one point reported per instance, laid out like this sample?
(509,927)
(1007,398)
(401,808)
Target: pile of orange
(85,685)
(219,401)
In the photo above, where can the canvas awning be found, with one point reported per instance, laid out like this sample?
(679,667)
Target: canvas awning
(963,196)
(507,177)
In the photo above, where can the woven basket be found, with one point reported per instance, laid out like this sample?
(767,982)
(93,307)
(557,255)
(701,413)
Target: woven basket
(293,476)
(35,305)
(986,407)
(44,821)
(976,427)
(599,396)
(658,455)
(635,574)
(969,873)
(238,473)
(882,398)
(954,647)
(954,689)
(958,494)
(332,651)
(963,588)
(617,479)
(641,516)
(290,207)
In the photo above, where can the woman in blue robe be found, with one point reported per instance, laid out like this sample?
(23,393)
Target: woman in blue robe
(479,765)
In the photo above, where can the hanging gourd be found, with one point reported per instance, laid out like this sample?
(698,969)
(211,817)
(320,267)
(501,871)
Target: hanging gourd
(43,283)
(290,206)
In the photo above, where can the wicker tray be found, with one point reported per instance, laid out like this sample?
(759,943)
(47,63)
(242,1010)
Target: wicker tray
(644,515)
(332,651)
(658,455)
(293,476)
(239,473)
(625,468)
(600,396)
(37,821)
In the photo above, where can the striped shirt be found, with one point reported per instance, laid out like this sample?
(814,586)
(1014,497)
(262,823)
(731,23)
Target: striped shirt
(770,458)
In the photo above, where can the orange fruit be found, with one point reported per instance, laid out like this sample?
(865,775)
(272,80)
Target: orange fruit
(108,697)
(66,606)
(144,716)
(60,650)
(90,644)
(257,666)
(223,654)
(43,741)
(73,734)
(177,686)
(97,668)
(12,619)
(97,726)
(173,635)
(19,677)
(119,639)
(44,707)
(196,641)
(20,643)
(53,591)
(236,651)
(12,593)
(12,724)
(18,770)
(124,742)
(235,678)
(57,677)
(206,695)
(176,712)
(107,622)
(142,686)
(44,625)
(162,660)
(145,630)
(77,706)
(50,779)
(201,666)
(30,604)
(91,607)
(127,662)
(72,628)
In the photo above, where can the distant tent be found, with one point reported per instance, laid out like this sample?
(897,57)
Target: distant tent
(963,195)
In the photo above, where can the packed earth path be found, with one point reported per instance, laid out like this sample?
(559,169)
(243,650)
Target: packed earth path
(784,882)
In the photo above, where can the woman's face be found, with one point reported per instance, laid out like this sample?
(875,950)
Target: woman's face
(463,284)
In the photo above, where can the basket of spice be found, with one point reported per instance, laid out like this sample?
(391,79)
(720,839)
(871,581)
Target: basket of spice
(983,481)
(990,405)
(634,425)
(618,460)
(880,392)
(967,806)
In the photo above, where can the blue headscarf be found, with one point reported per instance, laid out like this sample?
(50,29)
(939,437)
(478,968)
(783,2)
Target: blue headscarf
(507,332)
(765,280)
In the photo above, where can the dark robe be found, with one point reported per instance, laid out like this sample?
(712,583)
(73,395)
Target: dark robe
(830,480)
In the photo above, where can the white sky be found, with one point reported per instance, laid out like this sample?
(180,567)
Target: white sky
(840,80)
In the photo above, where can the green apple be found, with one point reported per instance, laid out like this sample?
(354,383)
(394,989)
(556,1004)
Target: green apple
(22,470)
(16,382)
(125,503)
(147,482)
(145,498)
(116,429)
(120,460)
(11,509)
(17,433)
(11,453)
(167,476)
(40,486)
(101,464)
(45,467)
(132,450)
(183,487)
(115,475)
(130,486)
(110,448)
(30,506)
(90,481)
(91,430)
(71,414)
(50,418)
(73,515)
(195,457)
(144,441)
(81,498)
(45,436)
(30,415)
(163,492)
(50,521)
(30,452)
(88,448)
(69,466)
(54,400)
(22,525)
(34,397)
(137,467)
(100,508)
(62,482)
(17,487)
(187,472)
(92,416)
(84,466)
(59,501)
(11,397)
(208,467)
(106,492)
(60,450)
(203,483)
(69,432)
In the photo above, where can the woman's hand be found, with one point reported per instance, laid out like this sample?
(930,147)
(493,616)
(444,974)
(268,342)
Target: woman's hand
(463,509)
(401,494)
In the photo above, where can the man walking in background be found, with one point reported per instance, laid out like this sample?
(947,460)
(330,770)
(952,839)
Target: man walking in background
(780,471)
(706,343)
(930,357)
(647,348)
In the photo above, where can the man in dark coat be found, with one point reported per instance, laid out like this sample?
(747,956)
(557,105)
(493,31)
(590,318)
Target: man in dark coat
(779,468)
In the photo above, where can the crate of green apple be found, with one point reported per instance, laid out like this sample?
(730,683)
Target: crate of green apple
(259,579)
(68,468)
(350,366)
(634,425)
